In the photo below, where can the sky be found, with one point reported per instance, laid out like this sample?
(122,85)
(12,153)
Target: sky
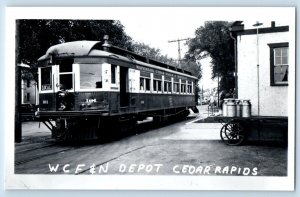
(157,33)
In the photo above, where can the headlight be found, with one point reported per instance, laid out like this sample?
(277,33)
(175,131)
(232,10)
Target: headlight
(61,94)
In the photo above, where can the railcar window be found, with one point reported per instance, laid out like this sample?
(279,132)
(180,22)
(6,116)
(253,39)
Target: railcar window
(176,87)
(46,78)
(159,85)
(147,84)
(165,86)
(65,66)
(154,85)
(66,81)
(113,73)
(183,87)
(90,76)
(66,75)
(142,84)
(189,89)
(170,87)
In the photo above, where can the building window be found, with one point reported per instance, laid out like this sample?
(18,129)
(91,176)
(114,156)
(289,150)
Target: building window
(279,63)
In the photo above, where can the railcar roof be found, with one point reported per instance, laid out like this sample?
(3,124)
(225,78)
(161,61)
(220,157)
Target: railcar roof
(86,48)
(75,48)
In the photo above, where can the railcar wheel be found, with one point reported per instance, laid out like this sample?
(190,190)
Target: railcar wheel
(232,133)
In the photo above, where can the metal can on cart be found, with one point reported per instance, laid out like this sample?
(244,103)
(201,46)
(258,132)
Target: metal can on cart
(231,108)
(246,108)
(224,107)
(238,107)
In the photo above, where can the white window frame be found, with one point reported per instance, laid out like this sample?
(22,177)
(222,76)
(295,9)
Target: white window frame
(65,73)
(76,69)
(146,91)
(272,47)
(53,74)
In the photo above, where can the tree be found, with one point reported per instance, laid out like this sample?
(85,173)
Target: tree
(193,67)
(145,50)
(154,53)
(213,39)
(34,37)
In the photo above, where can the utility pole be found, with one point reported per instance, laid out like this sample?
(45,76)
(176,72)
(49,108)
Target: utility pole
(178,41)
(256,25)
(18,118)
(18,97)
(202,95)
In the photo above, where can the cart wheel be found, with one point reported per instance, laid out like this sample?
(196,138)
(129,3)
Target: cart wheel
(222,133)
(232,133)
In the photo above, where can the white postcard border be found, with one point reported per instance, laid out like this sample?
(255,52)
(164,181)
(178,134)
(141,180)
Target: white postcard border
(145,182)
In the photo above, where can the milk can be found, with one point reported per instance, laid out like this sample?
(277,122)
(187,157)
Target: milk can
(224,107)
(231,108)
(246,108)
(238,107)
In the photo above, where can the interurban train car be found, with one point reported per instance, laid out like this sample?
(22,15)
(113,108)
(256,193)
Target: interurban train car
(87,89)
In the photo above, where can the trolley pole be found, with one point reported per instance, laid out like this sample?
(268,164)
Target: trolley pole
(179,50)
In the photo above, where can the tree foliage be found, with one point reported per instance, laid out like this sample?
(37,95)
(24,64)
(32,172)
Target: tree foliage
(193,67)
(213,39)
(154,53)
(34,37)
(145,50)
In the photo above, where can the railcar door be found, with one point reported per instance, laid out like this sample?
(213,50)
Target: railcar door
(65,96)
(124,95)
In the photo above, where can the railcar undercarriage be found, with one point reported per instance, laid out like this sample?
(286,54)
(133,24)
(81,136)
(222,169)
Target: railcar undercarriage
(104,127)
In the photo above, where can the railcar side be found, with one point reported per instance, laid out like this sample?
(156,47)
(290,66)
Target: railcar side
(84,86)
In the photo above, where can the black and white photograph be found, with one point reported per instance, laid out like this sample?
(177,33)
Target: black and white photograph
(156,98)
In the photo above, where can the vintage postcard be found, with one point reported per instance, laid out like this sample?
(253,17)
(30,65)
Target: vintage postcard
(150,98)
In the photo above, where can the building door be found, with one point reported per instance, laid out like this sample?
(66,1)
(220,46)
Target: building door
(124,95)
